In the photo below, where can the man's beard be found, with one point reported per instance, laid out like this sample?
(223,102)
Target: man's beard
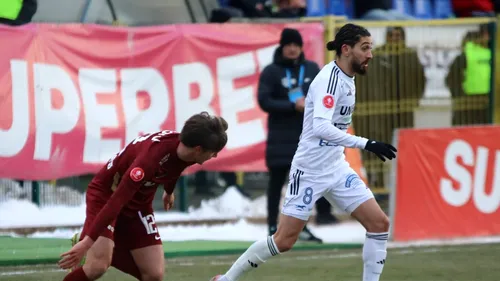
(358,68)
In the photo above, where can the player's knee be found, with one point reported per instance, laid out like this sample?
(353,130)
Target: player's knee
(153,275)
(380,224)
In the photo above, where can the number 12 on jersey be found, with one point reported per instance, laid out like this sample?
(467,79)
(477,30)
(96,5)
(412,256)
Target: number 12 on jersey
(148,222)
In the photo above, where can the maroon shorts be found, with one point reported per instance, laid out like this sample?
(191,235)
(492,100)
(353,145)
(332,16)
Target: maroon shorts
(128,232)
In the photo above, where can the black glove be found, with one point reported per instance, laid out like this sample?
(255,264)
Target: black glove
(381,149)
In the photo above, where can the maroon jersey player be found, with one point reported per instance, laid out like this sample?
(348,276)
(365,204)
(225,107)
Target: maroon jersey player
(120,228)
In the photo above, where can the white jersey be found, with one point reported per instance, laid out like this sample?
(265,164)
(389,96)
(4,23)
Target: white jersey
(329,106)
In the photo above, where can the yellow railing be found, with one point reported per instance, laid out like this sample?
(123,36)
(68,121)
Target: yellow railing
(388,97)
(407,56)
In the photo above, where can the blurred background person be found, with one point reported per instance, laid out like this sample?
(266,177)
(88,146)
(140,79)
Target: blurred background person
(475,8)
(17,12)
(289,9)
(469,79)
(270,8)
(401,67)
(378,10)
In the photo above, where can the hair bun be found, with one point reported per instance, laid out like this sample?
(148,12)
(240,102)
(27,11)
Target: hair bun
(331,45)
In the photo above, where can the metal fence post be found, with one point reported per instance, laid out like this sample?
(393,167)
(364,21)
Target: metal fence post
(493,28)
(183,194)
(35,192)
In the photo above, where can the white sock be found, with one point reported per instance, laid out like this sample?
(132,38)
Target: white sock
(255,255)
(374,254)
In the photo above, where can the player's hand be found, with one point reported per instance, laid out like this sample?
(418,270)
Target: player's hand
(300,104)
(382,150)
(73,257)
(168,200)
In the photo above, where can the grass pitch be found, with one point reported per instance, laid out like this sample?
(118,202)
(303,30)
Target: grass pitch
(450,263)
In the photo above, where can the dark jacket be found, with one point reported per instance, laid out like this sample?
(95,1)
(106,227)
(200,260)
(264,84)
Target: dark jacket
(284,122)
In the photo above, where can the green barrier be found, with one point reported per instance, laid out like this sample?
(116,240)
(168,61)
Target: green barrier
(32,251)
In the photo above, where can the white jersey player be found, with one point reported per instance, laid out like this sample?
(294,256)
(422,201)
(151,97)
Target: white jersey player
(319,167)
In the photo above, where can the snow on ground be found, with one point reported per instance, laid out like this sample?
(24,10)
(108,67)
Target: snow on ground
(23,213)
(230,205)
(348,232)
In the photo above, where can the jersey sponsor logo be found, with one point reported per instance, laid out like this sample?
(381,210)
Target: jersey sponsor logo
(137,174)
(346,110)
(164,159)
(328,101)
(342,126)
(300,207)
(323,142)
(352,180)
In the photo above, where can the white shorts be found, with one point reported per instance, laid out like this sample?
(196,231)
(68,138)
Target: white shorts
(342,187)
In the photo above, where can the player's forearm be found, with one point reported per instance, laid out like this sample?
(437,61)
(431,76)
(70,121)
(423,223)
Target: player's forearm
(323,128)
(170,186)
(111,210)
(169,189)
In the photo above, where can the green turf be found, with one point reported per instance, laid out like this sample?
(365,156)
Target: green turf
(454,263)
(23,251)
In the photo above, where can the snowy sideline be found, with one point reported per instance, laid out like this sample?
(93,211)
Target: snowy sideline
(230,205)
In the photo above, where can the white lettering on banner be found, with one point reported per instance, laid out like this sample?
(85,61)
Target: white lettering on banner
(484,202)
(233,101)
(265,56)
(457,197)
(98,116)
(14,139)
(62,118)
(470,185)
(48,120)
(184,75)
(151,81)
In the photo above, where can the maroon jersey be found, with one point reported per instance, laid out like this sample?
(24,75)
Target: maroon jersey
(128,182)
